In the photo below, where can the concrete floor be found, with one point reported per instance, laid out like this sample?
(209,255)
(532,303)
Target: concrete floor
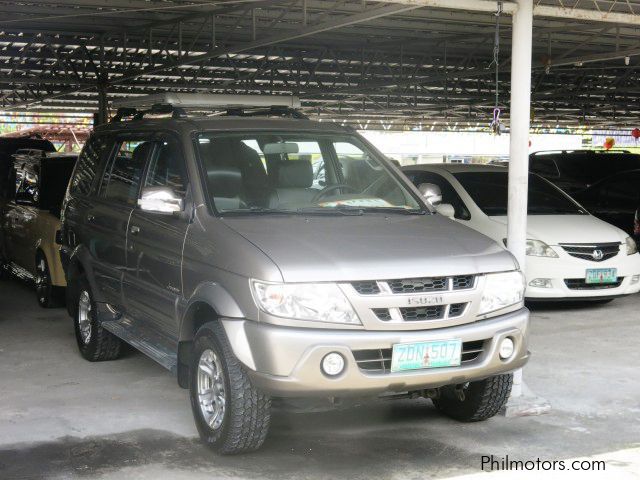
(63,417)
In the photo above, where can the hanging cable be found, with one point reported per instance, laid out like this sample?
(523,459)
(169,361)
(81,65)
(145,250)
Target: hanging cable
(496,126)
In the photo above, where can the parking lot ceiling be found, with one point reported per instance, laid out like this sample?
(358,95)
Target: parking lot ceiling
(397,64)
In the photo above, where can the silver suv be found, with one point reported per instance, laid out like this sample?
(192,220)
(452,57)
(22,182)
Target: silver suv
(213,245)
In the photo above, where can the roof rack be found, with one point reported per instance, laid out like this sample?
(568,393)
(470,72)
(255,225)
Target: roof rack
(581,150)
(177,104)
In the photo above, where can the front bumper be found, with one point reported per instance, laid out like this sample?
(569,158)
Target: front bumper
(568,267)
(286,361)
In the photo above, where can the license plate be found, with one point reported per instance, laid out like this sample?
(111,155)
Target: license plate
(414,356)
(602,275)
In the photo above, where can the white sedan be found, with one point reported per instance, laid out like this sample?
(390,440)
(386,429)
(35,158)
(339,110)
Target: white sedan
(570,253)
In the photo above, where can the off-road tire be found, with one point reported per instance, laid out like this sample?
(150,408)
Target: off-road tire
(482,399)
(101,344)
(247,414)
(48,295)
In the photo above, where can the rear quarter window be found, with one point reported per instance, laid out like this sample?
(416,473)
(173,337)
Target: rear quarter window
(87,165)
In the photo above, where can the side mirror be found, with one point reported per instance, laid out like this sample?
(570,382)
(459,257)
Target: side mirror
(431,193)
(446,210)
(160,200)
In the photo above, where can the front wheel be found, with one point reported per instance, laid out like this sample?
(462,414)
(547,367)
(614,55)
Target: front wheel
(475,401)
(232,416)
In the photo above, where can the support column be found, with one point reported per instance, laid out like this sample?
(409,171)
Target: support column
(522,401)
(519,118)
(103,106)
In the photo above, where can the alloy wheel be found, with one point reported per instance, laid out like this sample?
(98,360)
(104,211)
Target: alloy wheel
(211,390)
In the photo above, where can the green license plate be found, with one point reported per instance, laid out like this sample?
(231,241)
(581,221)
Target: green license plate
(414,356)
(602,275)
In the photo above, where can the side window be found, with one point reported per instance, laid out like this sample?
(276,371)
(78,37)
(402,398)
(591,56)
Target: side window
(87,165)
(621,192)
(166,169)
(121,179)
(449,194)
(545,167)
(28,191)
(357,170)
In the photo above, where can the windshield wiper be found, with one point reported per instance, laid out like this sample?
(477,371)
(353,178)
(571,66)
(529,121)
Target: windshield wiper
(342,210)
(256,210)
(404,211)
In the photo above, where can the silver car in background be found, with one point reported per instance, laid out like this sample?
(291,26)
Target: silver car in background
(216,247)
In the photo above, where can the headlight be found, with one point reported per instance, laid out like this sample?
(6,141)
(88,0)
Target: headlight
(632,247)
(501,290)
(321,302)
(536,248)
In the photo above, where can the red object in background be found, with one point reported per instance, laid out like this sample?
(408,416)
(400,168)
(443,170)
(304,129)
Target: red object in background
(609,143)
(635,133)
(529,143)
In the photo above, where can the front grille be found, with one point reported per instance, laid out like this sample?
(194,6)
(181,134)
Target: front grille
(379,360)
(463,282)
(592,252)
(581,284)
(415,285)
(418,314)
(366,288)
(418,285)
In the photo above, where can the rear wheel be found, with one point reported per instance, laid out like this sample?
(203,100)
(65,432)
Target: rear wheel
(95,343)
(475,401)
(231,415)
(48,295)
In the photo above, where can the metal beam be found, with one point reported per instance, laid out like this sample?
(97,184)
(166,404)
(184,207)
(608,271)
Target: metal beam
(306,31)
(548,11)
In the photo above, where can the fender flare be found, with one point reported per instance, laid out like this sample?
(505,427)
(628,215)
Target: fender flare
(217,298)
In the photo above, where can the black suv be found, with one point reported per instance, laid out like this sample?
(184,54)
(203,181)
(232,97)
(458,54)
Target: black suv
(575,170)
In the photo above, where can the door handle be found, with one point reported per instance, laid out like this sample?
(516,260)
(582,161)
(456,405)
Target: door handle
(134,230)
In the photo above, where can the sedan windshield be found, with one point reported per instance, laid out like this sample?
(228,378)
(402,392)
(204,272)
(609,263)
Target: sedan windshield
(489,191)
(289,172)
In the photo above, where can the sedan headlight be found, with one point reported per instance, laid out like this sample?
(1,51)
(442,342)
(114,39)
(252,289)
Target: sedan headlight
(501,290)
(632,247)
(321,302)
(536,248)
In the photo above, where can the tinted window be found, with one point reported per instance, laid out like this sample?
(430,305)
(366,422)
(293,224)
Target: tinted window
(544,166)
(622,191)
(54,180)
(122,176)
(166,169)
(28,188)
(449,194)
(87,165)
(588,168)
(489,191)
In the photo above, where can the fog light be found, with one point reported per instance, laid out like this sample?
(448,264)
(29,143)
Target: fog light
(333,364)
(506,348)
(541,283)
(635,279)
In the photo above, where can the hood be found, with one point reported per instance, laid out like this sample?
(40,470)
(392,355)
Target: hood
(556,229)
(370,247)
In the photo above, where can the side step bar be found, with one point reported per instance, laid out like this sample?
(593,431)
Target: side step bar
(150,343)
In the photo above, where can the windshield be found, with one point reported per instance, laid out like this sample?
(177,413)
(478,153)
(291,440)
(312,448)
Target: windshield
(298,172)
(489,191)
